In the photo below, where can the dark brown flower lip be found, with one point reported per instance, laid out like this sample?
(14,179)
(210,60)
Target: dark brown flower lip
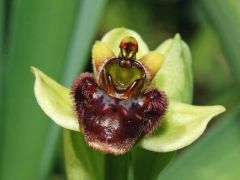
(114,125)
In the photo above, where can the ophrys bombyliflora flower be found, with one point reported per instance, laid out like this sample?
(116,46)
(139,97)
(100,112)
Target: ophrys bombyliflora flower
(124,99)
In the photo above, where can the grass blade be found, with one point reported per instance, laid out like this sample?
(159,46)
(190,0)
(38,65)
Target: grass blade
(39,35)
(85,30)
(2,30)
(225,19)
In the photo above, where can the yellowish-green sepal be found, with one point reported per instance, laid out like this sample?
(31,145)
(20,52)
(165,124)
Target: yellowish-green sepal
(182,125)
(175,75)
(55,100)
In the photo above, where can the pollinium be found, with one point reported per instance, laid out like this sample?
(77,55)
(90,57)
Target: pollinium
(116,109)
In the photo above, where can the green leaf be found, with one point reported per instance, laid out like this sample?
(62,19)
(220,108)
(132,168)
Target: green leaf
(209,61)
(87,20)
(215,156)
(182,125)
(175,75)
(55,100)
(114,37)
(2,37)
(225,19)
(38,34)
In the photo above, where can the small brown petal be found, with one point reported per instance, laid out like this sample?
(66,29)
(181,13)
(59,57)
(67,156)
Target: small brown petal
(152,62)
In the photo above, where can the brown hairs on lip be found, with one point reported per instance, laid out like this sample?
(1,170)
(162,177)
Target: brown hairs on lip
(114,125)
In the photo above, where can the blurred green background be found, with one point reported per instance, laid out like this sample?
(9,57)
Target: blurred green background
(57,36)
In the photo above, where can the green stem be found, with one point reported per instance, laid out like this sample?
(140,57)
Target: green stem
(148,164)
(117,167)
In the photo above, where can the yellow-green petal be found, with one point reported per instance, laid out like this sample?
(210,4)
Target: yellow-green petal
(100,53)
(114,37)
(175,75)
(182,125)
(152,62)
(55,100)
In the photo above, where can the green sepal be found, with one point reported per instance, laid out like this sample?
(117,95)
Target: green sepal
(175,76)
(55,100)
(181,126)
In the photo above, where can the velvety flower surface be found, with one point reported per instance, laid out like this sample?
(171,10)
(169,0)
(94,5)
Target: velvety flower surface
(133,96)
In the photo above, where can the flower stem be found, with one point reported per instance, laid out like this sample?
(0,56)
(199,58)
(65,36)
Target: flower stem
(117,167)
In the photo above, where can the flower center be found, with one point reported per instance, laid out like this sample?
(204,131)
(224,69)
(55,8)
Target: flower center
(123,77)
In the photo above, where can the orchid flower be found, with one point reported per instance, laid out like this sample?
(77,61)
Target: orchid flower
(134,96)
